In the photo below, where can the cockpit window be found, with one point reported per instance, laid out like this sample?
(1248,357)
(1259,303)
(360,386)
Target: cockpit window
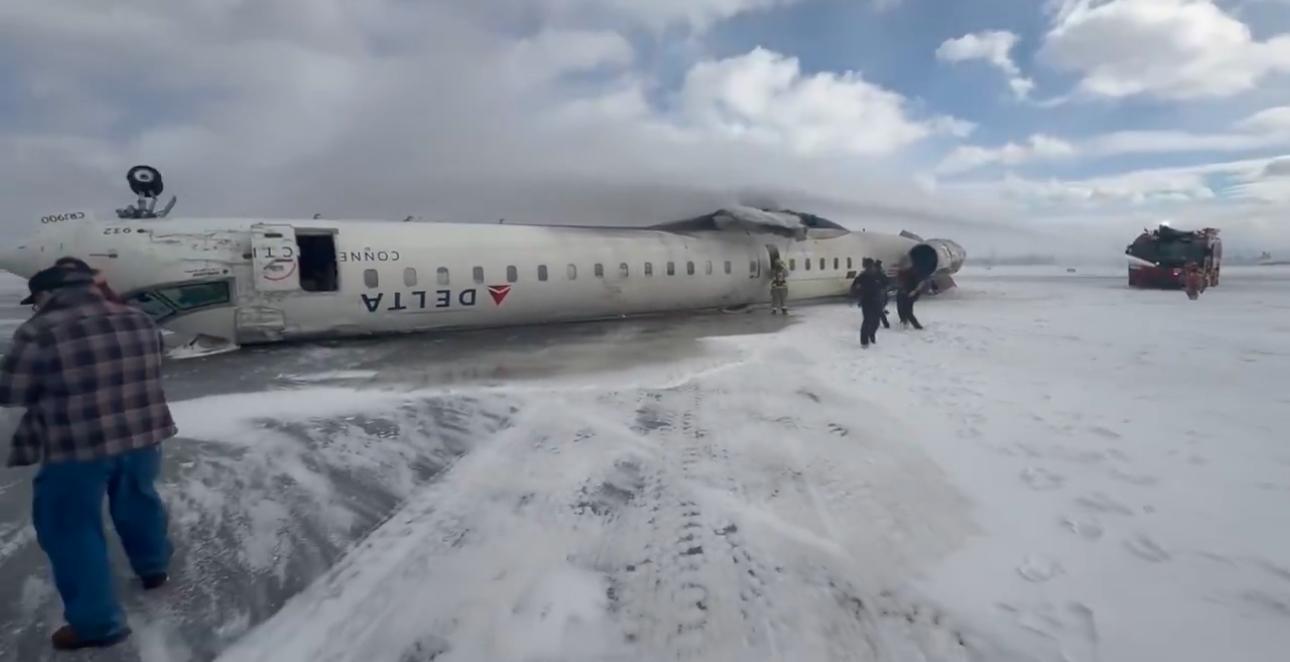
(196,295)
(165,302)
(151,304)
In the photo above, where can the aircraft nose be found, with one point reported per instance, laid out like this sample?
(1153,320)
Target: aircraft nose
(14,259)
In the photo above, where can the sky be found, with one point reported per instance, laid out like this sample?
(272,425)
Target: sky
(1039,126)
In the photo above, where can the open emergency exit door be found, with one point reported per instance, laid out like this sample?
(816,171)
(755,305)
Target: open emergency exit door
(772,256)
(275,258)
(772,252)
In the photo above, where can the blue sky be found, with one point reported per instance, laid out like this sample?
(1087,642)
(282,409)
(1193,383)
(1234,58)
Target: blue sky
(896,48)
(1100,115)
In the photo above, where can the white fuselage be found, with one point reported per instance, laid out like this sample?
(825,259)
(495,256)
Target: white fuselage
(251,281)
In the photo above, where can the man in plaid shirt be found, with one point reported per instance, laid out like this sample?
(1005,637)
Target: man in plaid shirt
(88,372)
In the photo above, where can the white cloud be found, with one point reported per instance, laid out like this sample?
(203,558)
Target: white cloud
(1174,49)
(552,53)
(387,108)
(1141,188)
(1277,168)
(1135,188)
(763,96)
(971,157)
(994,47)
(1270,121)
(658,14)
(1270,184)
(1266,129)
(1251,212)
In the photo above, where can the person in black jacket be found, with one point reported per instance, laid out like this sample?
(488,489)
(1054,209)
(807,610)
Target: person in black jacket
(885,284)
(908,289)
(869,289)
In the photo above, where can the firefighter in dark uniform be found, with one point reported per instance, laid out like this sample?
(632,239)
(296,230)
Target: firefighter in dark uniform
(778,288)
(869,289)
(885,284)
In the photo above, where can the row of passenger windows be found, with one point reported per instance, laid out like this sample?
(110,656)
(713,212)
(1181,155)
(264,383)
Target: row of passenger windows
(372,279)
(837,263)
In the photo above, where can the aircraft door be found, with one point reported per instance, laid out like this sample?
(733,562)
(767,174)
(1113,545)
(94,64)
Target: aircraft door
(275,259)
(773,253)
(772,256)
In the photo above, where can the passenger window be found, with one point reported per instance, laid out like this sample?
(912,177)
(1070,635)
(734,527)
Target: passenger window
(689,268)
(807,262)
(442,275)
(792,264)
(707,269)
(821,264)
(410,277)
(599,270)
(541,272)
(752,269)
(848,263)
(370,278)
(649,268)
(836,263)
(573,272)
(671,268)
(729,267)
(512,274)
(623,270)
(478,273)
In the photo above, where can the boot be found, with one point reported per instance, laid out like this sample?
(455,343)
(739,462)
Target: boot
(66,639)
(154,581)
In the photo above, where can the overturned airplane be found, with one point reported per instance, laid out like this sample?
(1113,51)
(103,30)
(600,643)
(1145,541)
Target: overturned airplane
(241,281)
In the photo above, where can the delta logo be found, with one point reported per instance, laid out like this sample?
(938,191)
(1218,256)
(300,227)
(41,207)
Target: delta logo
(499,292)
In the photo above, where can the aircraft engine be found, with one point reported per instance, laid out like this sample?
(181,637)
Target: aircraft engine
(936,257)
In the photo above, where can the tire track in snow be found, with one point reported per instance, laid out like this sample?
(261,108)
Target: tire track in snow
(686,529)
(705,591)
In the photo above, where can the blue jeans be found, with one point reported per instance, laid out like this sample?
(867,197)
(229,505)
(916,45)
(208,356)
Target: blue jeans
(67,511)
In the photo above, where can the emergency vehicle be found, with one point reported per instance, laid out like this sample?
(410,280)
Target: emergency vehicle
(1160,257)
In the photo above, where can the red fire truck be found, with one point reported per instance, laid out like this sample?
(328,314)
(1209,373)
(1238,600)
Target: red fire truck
(1162,256)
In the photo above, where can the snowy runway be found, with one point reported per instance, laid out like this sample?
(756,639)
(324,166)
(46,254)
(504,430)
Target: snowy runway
(661,523)
(1058,468)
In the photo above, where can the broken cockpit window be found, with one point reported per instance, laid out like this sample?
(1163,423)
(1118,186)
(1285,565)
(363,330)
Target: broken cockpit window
(151,304)
(165,302)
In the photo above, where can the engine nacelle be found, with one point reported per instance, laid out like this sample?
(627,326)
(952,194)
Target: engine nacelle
(936,257)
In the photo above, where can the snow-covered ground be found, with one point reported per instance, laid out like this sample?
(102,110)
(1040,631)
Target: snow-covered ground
(1057,468)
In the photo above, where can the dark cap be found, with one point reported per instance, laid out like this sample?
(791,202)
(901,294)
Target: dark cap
(74,263)
(55,278)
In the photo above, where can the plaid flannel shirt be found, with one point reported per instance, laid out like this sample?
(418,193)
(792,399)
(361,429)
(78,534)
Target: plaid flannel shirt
(88,371)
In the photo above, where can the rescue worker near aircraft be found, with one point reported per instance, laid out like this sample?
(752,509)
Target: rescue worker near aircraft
(778,288)
(88,372)
(1193,280)
(868,288)
(908,289)
(886,288)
